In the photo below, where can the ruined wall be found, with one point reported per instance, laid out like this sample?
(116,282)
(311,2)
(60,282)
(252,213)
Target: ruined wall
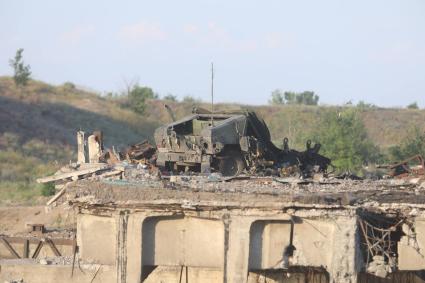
(411,248)
(183,241)
(97,238)
(224,244)
(231,246)
(312,240)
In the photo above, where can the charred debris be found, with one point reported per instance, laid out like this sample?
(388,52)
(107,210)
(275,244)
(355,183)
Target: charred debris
(219,146)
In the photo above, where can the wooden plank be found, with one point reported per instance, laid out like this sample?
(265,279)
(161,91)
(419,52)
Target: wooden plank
(72,174)
(9,247)
(56,196)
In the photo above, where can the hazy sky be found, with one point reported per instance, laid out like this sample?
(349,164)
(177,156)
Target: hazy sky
(343,50)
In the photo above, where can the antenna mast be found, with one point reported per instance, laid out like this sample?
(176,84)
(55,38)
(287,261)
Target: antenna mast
(212,93)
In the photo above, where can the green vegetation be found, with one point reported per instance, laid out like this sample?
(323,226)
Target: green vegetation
(138,96)
(345,140)
(288,97)
(412,145)
(413,105)
(21,72)
(48,189)
(37,132)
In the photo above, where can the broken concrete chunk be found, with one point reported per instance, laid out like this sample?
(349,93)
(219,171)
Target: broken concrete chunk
(381,272)
(74,174)
(95,150)
(43,261)
(81,154)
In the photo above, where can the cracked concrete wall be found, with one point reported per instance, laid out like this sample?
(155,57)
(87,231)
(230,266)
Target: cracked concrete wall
(230,244)
(183,241)
(97,238)
(411,247)
(270,239)
(225,244)
(345,251)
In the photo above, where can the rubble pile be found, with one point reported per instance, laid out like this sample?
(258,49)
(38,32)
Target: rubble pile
(135,166)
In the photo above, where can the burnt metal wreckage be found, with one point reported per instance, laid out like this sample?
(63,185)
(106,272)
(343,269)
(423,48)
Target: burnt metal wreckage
(412,166)
(225,144)
(231,142)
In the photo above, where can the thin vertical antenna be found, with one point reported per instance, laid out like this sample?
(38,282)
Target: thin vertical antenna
(212,93)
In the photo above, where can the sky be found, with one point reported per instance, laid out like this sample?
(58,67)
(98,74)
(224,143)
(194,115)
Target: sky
(372,51)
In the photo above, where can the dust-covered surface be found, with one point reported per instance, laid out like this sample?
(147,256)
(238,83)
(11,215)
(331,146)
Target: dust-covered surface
(195,191)
(59,221)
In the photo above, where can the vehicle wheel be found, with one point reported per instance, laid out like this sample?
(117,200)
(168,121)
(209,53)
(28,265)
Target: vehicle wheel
(231,163)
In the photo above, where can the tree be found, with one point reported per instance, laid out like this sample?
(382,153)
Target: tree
(307,98)
(345,140)
(137,98)
(277,97)
(413,105)
(289,97)
(21,72)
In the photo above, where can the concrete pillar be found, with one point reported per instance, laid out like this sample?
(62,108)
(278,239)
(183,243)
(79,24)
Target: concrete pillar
(346,254)
(94,149)
(134,247)
(237,257)
(81,155)
(122,247)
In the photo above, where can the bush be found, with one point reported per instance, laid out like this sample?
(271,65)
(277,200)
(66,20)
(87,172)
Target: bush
(413,105)
(137,98)
(48,189)
(277,98)
(69,86)
(21,72)
(345,140)
(288,97)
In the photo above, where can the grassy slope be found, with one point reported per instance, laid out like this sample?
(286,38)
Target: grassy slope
(37,131)
(38,124)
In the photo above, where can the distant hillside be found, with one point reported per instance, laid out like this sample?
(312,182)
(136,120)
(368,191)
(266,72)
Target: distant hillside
(38,125)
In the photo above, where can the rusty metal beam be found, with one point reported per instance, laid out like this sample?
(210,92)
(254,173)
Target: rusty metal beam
(9,247)
(53,247)
(26,248)
(37,249)
(34,240)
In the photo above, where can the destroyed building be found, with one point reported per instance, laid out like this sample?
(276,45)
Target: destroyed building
(135,224)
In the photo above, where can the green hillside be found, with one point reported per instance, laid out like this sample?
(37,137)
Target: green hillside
(38,125)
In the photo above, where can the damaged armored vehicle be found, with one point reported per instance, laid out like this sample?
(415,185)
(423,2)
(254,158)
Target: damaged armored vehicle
(229,143)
